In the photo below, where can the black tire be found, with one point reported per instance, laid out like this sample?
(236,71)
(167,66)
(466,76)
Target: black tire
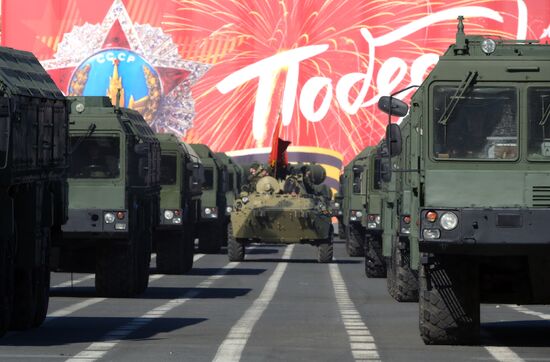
(449,302)
(402,279)
(375,265)
(24,300)
(355,240)
(115,271)
(143,261)
(42,276)
(235,247)
(175,251)
(6,286)
(325,250)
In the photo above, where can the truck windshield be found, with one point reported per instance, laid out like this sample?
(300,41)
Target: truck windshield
(538,105)
(483,125)
(96,157)
(168,169)
(208,179)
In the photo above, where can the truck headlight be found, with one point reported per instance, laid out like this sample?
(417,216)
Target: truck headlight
(336,205)
(358,214)
(228,209)
(207,211)
(168,214)
(431,234)
(109,218)
(448,221)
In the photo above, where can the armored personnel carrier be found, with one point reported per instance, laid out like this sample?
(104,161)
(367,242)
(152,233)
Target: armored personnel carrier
(181,178)
(113,197)
(34,125)
(286,210)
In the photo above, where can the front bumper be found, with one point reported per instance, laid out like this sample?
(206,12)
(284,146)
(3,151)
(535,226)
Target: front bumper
(83,222)
(487,227)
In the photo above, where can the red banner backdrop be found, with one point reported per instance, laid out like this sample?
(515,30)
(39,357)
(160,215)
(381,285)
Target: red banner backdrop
(219,72)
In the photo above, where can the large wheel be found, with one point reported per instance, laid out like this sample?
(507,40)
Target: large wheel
(6,285)
(402,279)
(175,252)
(375,265)
(449,301)
(235,247)
(143,261)
(42,281)
(115,271)
(355,240)
(325,250)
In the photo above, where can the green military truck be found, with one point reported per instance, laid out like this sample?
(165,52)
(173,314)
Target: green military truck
(375,265)
(113,197)
(181,181)
(213,218)
(402,256)
(476,163)
(34,126)
(354,199)
(285,210)
(234,181)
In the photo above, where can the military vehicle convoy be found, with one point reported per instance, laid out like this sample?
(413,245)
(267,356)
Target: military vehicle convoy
(284,210)
(181,177)
(213,218)
(475,176)
(34,125)
(113,197)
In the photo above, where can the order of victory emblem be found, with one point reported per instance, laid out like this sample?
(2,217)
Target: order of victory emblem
(140,60)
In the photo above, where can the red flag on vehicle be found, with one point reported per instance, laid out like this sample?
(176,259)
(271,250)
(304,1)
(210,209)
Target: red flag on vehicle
(278,158)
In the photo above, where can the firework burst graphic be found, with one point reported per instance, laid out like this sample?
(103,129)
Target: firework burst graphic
(237,33)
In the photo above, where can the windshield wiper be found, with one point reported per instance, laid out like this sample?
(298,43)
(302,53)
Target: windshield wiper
(459,94)
(89,132)
(545,115)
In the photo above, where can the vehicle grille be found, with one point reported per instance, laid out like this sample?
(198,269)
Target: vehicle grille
(541,196)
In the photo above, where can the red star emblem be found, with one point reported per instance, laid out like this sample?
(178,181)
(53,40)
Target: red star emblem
(116,38)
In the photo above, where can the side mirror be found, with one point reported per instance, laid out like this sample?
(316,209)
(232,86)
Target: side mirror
(393,137)
(398,107)
(142,149)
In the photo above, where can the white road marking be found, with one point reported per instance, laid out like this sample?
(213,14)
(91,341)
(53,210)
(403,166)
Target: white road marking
(97,350)
(232,347)
(528,311)
(360,339)
(73,308)
(69,283)
(503,354)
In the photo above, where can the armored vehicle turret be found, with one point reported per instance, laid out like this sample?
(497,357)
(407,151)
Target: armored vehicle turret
(34,125)
(181,177)
(470,164)
(285,210)
(213,218)
(113,197)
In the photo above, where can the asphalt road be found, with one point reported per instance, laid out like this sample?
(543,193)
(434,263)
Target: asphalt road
(278,305)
